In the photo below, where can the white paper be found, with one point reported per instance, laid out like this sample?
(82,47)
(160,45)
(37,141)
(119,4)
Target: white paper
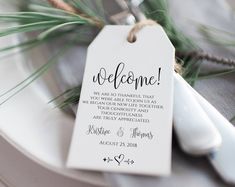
(124,118)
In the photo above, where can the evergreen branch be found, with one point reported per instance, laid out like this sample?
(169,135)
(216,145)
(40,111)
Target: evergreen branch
(35,15)
(51,20)
(26,82)
(71,97)
(213,74)
(217,36)
(47,32)
(158,11)
(60,4)
(19,45)
(29,27)
(30,44)
(205,56)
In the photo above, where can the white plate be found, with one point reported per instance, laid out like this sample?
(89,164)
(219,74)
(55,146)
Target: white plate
(38,130)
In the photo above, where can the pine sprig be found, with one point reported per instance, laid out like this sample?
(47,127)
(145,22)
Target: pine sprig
(63,6)
(85,14)
(70,96)
(47,20)
(39,72)
(158,11)
(36,21)
(53,19)
(200,55)
(217,36)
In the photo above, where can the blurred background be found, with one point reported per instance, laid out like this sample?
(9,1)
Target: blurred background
(204,22)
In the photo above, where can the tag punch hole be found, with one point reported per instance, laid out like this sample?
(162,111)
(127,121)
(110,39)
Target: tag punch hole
(132,40)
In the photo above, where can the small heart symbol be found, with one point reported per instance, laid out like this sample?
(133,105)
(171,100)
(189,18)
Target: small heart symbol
(119,158)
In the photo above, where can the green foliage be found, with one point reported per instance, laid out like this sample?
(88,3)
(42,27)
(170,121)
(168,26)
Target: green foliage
(217,36)
(71,97)
(35,75)
(37,21)
(158,11)
(50,23)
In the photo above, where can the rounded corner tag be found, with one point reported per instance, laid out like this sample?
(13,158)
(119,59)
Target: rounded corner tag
(124,117)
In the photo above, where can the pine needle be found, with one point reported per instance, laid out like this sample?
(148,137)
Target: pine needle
(55,22)
(39,72)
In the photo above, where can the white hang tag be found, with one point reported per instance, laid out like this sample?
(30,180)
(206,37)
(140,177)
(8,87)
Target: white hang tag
(124,118)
